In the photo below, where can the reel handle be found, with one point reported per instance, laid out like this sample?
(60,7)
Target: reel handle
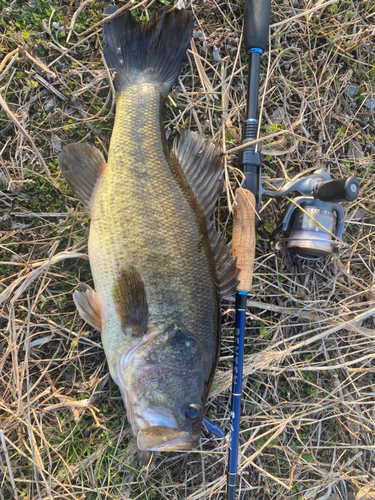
(337,190)
(256,24)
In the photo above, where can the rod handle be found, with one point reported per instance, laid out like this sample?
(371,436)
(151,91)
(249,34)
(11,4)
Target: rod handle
(243,238)
(346,189)
(256,24)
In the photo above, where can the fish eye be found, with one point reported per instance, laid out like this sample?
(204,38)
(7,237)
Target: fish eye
(192,411)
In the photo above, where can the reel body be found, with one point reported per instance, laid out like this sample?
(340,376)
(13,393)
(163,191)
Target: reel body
(312,225)
(310,228)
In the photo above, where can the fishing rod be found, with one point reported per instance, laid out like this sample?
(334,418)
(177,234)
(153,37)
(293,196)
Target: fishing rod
(311,227)
(245,222)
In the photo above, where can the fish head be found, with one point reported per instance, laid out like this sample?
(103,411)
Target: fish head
(164,381)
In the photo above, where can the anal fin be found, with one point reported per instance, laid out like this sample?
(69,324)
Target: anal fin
(130,300)
(88,305)
(82,166)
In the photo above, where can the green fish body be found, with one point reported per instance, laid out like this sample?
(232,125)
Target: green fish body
(157,264)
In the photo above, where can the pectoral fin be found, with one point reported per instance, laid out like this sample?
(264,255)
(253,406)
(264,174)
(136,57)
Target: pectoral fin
(129,296)
(82,166)
(88,306)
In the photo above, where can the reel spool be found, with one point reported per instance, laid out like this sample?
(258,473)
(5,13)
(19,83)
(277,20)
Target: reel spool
(310,233)
(312,226)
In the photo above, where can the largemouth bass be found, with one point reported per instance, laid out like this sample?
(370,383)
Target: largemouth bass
(158,265)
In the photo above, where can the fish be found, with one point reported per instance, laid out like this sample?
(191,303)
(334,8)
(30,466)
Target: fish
(159,267)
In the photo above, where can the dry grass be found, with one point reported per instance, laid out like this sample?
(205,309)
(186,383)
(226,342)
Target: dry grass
(308,430)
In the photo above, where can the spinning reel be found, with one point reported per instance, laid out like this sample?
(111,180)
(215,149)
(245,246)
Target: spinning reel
(312,224)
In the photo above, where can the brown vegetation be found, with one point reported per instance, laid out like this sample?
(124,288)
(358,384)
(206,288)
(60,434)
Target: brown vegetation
(308,429)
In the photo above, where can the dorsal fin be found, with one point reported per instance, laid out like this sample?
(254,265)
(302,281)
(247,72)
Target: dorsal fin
(202,162)
(225,264)
(130,300)
(82,166)
(88,305)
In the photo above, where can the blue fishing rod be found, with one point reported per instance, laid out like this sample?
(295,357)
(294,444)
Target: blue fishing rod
(245,222)
(297,232)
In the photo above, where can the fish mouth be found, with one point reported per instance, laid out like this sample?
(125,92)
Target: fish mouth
(161,438)
(156,427)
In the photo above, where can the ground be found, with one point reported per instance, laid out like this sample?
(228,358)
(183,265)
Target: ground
(308,425)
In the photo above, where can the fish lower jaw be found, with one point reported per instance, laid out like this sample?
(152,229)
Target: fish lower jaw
(165,439)
(175,445)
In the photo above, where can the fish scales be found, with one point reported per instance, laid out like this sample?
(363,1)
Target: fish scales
(145,214)
(158,266)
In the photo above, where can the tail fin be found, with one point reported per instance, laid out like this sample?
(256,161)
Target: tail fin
(151,53)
